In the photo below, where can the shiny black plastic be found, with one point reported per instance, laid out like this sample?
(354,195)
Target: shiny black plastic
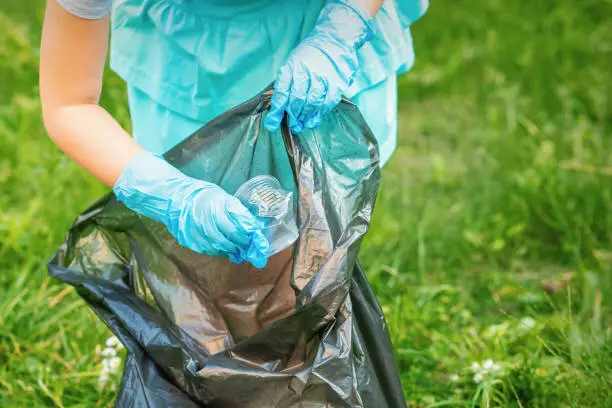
(306,331)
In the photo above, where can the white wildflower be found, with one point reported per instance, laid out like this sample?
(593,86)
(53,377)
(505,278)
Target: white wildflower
(527,323)
(111,362)
(496,330)
(486,370)
(453,378)
(114,364)
(103,379)
(112,341)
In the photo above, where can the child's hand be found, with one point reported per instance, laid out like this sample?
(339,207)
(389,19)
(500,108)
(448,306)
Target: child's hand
(200,215)
(320,70)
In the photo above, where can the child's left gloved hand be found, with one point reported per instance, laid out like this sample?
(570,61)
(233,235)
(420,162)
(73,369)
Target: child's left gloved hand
(319,71)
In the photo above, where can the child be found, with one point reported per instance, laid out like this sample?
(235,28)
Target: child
(186,61)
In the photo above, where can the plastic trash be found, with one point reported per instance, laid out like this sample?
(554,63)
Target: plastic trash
(200,331)
(273,206)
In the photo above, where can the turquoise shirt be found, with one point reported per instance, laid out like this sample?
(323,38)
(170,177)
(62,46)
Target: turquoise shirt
(187,61)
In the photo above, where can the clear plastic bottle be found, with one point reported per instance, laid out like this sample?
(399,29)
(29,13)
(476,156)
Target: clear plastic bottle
(266,200)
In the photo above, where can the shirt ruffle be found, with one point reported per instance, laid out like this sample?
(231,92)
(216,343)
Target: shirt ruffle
(202,57)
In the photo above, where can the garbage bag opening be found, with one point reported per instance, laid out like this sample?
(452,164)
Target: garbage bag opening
(305,331)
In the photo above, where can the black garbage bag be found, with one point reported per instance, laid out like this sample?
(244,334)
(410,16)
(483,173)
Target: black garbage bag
(306,331)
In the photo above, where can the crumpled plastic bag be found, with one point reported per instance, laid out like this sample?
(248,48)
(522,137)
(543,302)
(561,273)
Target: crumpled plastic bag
(306,331)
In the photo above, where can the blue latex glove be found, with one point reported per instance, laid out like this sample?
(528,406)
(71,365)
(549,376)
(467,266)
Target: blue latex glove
(320,70)
(200,215)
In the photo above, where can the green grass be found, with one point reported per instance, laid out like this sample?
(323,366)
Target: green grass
(492,234)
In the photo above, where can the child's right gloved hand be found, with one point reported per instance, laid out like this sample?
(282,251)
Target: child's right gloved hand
(200,215)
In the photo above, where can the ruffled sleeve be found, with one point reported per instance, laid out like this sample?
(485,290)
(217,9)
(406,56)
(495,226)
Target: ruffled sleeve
(211,55)
(88,9)
(411,10)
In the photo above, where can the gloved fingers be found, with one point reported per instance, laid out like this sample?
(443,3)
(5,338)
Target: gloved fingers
(332,99)
(311,115)
(227,228)
(212,222)
(238,223)
(236,258)
(256,248)
(194,236)
(257,254)
(223,245)
(314,121)
(256,251)
(298,94)
(241,216)
(280,99)
(206,226)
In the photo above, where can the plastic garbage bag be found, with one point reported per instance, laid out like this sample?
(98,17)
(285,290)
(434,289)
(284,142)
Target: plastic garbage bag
(306,331)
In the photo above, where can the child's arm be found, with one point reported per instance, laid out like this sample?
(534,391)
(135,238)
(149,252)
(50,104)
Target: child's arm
(200,215)
(73,52)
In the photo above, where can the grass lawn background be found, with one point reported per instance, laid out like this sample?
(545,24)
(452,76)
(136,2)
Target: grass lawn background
(491,237)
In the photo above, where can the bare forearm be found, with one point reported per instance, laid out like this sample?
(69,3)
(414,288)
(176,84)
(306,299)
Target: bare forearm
(92,138)
(373,6)
(73,52)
